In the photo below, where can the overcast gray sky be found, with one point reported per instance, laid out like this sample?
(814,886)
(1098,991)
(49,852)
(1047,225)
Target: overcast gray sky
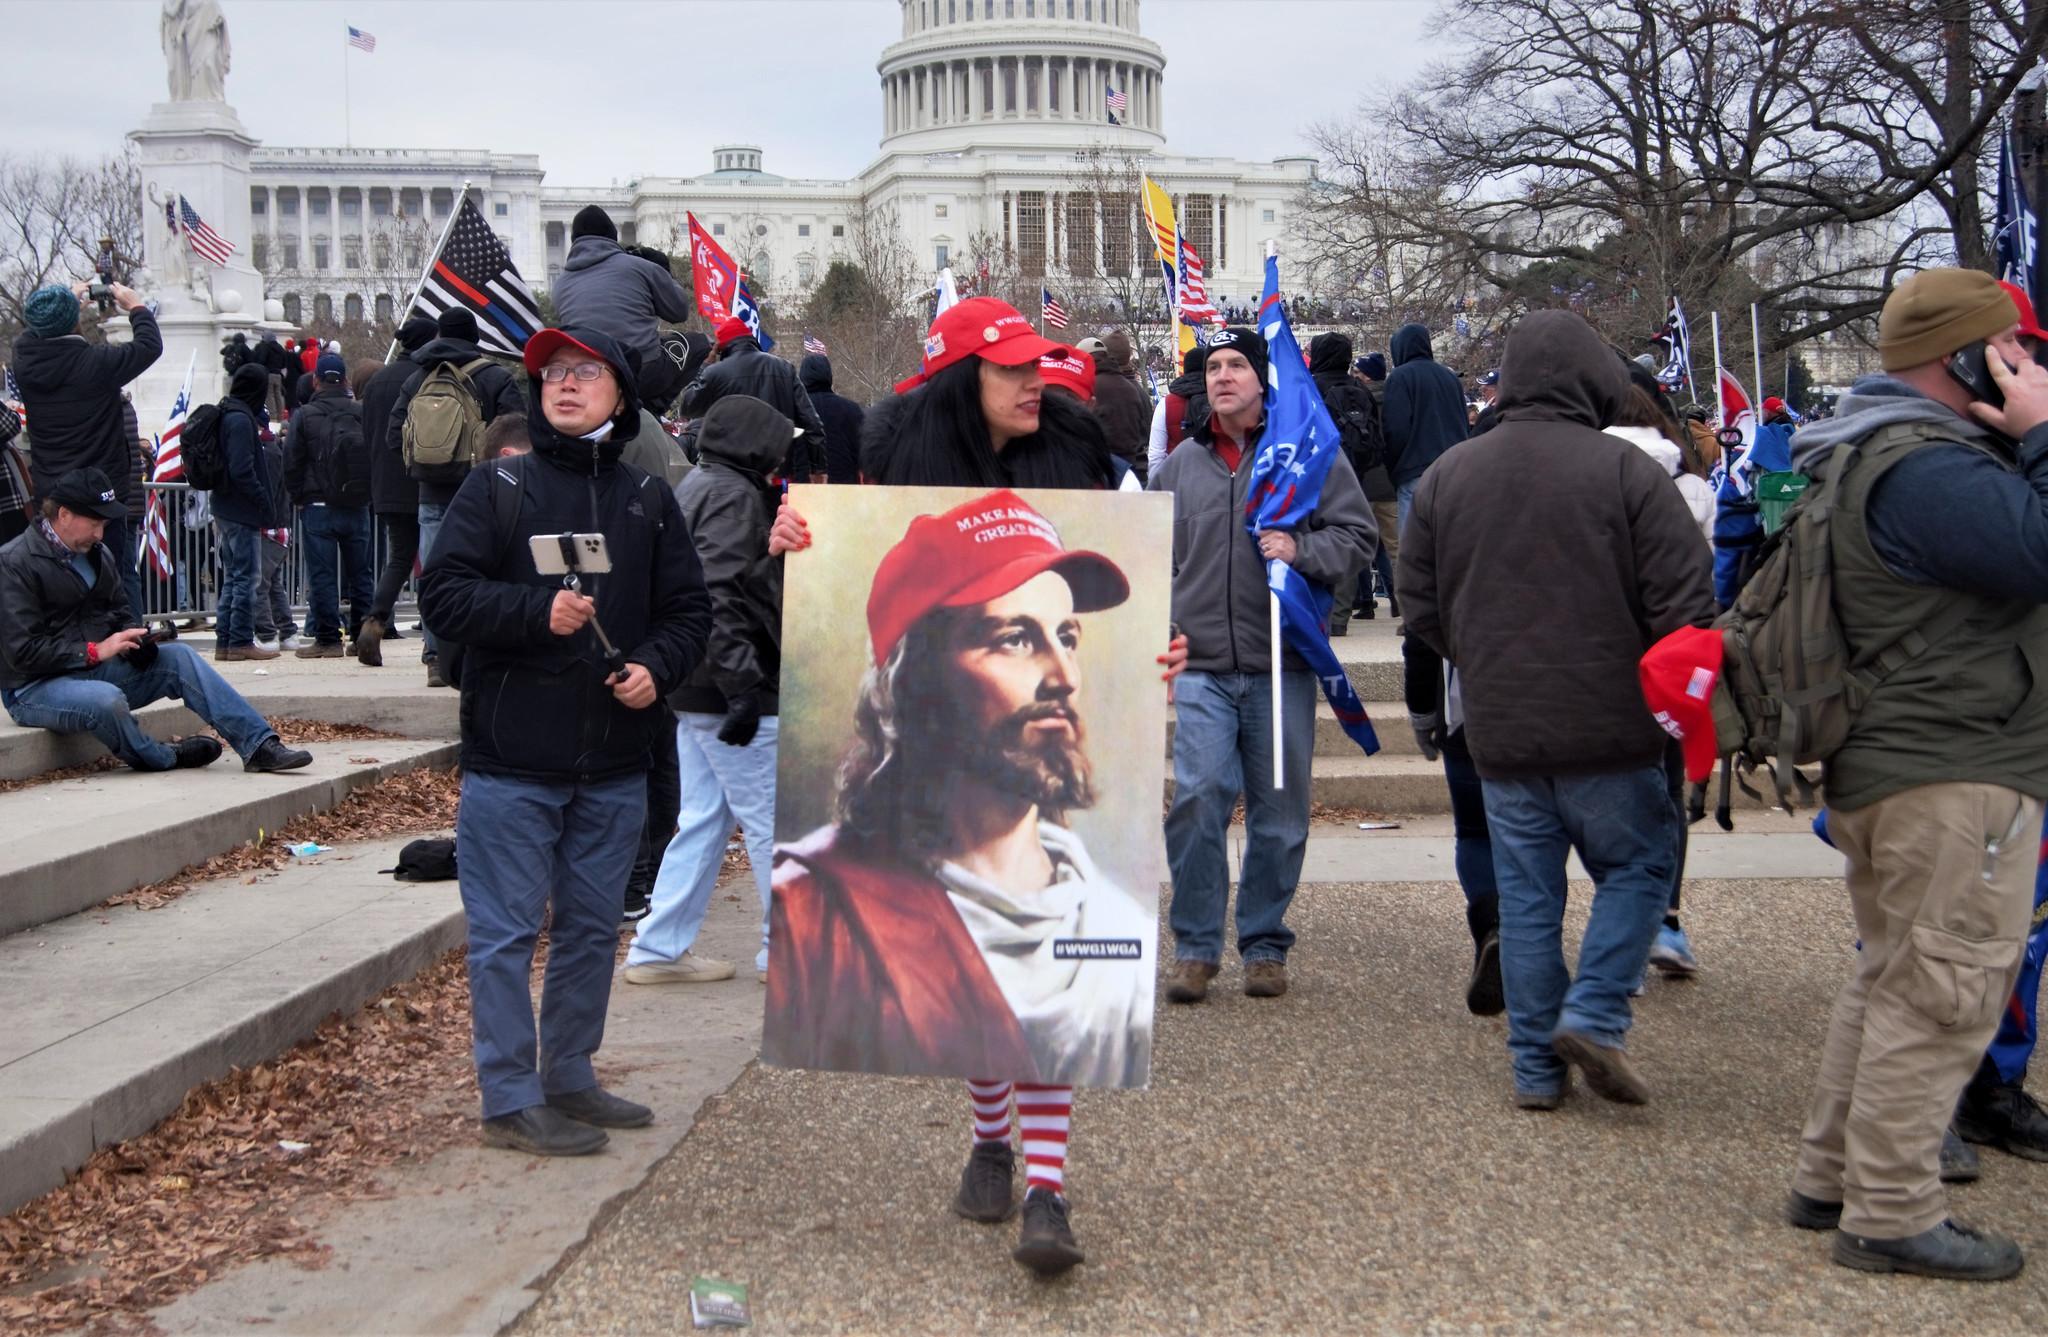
(613,89)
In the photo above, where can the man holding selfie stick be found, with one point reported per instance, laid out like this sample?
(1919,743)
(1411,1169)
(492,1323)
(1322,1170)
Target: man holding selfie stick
(1940,566)
(558,730)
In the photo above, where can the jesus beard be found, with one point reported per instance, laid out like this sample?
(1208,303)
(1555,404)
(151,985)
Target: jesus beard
(1052,773)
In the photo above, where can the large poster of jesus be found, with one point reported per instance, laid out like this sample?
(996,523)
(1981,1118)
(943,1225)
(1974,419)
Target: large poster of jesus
(968,845)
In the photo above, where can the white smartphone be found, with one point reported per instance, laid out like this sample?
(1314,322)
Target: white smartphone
(563,554)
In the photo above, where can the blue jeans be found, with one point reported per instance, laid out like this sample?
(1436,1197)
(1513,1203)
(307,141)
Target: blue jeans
(1472,848)
(1223,745)
(1404,501)
(239,578)
(99,700)
(123,538)
(524,845)
(721,785)
(1621,823)
(431,515)
(337,543)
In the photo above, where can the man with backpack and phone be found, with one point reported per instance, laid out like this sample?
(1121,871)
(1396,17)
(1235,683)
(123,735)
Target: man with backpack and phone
(1937,531)
(327,471)
(438,426)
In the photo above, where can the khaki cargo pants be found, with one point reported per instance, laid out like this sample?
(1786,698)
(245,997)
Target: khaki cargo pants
(1941,879)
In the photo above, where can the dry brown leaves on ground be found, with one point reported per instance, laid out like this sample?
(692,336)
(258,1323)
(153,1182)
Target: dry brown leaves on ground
(420,800)
(220,1182)
(298,732)
(78,772)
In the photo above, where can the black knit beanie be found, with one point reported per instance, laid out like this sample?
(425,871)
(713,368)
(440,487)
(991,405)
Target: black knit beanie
(591,221)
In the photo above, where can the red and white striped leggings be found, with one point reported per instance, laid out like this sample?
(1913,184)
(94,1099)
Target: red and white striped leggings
(1045,1114)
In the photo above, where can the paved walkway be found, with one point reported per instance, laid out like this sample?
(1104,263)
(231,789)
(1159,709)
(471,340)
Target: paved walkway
(1344,1159)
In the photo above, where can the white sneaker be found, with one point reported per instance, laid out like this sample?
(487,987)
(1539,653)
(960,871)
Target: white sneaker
(295,643)
(271,644)
(685,969)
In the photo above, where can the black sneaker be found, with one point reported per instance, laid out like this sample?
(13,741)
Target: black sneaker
(1950,1251)
(1959,1164)
(542,1131)
(638,903)
(370,643)
(2004,1116)
(1045,1242)
(601,1109)
(198,750)
(1484,996)
(275,756)
(988,1184)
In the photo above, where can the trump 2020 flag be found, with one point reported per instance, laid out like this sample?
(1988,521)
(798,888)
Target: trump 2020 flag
(722,291)
(1295,454)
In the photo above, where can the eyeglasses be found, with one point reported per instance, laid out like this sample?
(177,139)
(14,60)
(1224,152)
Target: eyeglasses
(556,373)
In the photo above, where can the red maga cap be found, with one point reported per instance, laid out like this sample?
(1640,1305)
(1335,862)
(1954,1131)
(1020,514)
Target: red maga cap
(980,327)
(979,550)
(1678,675)
(2030,325)
(1070,370)
(546,343)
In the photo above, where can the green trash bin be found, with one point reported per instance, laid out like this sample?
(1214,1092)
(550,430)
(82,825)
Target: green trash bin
(1775,494)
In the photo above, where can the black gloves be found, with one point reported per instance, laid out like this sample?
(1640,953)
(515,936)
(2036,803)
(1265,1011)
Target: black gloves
(742,721)
(142,657)
(1429,733)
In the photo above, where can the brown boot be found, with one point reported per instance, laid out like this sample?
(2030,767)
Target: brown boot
(231,652)
(1188,981)
(1265,978)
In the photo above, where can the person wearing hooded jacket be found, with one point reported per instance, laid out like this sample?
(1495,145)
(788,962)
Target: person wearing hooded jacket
(727,713)
(1546,624)
(741,368)
(1357,417)
(1123,408)
(394,496)
(497,391)
(556,742)
(626,292)
(1423,413)
(841,416)
(242,510)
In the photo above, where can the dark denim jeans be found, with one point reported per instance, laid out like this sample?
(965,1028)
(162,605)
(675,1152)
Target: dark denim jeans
(337,540)
(431,513)
(1223,746)
(1472,849)
(99,701)
(238,582)
(1622,825)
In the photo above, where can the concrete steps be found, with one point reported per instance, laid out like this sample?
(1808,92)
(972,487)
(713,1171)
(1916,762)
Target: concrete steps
(112,1019)
(73,843)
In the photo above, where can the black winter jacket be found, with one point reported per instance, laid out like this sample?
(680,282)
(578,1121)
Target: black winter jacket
(497,391)
(250,493)
(72,391)
(310,439)
(534,704)
(1424,406)
(841,416)
(743,369)
(1352,407)
(728,504)
(46,612)
(1125,412)
(392,491)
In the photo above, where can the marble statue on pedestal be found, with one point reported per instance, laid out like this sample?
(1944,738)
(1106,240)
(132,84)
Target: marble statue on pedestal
(195,38)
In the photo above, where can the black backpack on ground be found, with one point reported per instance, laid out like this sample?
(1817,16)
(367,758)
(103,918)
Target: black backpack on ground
(199,447)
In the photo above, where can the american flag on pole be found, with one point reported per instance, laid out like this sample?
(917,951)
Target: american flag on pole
(1055,314)
(170,468)
(207,244)
(475,270)
(813,344)
(1191,292)
(1118,104)
(361,40)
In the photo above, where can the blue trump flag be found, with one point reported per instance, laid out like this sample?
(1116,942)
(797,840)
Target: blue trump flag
(1285,485)
(744,306)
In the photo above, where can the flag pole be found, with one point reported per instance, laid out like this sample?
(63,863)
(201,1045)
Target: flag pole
(1720,406)
(405,312)
(347,119)
(1278,652)
(1756,349)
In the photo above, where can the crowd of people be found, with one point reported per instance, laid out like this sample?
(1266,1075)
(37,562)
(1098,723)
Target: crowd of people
(612,742)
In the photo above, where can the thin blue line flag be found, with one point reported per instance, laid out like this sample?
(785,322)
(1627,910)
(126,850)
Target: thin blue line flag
(1296,451)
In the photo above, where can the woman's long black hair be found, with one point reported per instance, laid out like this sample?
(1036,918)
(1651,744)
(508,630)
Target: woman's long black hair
(936,436)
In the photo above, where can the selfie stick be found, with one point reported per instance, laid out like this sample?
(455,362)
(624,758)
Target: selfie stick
(612,656)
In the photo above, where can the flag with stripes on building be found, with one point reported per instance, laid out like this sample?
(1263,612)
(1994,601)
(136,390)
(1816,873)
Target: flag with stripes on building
(474,270)
(361,40)
(170,468)
(1055,314)
(813,344)
(1118,105)
(207,244)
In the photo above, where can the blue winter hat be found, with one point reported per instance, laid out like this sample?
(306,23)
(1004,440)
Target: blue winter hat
(331,369)
(51,310)
(1373,365)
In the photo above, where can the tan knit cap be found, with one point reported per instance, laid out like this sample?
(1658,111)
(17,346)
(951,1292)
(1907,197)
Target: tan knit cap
(1937,311)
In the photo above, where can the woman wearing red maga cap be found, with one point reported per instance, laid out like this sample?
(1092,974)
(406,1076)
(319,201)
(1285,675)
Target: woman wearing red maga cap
(977,415)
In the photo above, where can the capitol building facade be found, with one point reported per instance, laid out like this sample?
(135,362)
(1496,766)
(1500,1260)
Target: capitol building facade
(996,143)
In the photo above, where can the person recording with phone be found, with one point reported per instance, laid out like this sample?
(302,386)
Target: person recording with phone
(561,714)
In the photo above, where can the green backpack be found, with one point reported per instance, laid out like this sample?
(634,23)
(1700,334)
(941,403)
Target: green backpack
(1788,693)
(444,426)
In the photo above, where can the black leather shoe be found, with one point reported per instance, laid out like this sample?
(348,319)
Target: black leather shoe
(198,750)
(2003,1115)
(601,1109)
(1950,1251)
(1484,996)
(1045,1242)
(1812,1213)
(275,756)
(1959,1164)
(988,1190)
(540,1130)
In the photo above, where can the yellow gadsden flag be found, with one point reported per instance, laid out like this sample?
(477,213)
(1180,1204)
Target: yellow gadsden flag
(1159,222)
